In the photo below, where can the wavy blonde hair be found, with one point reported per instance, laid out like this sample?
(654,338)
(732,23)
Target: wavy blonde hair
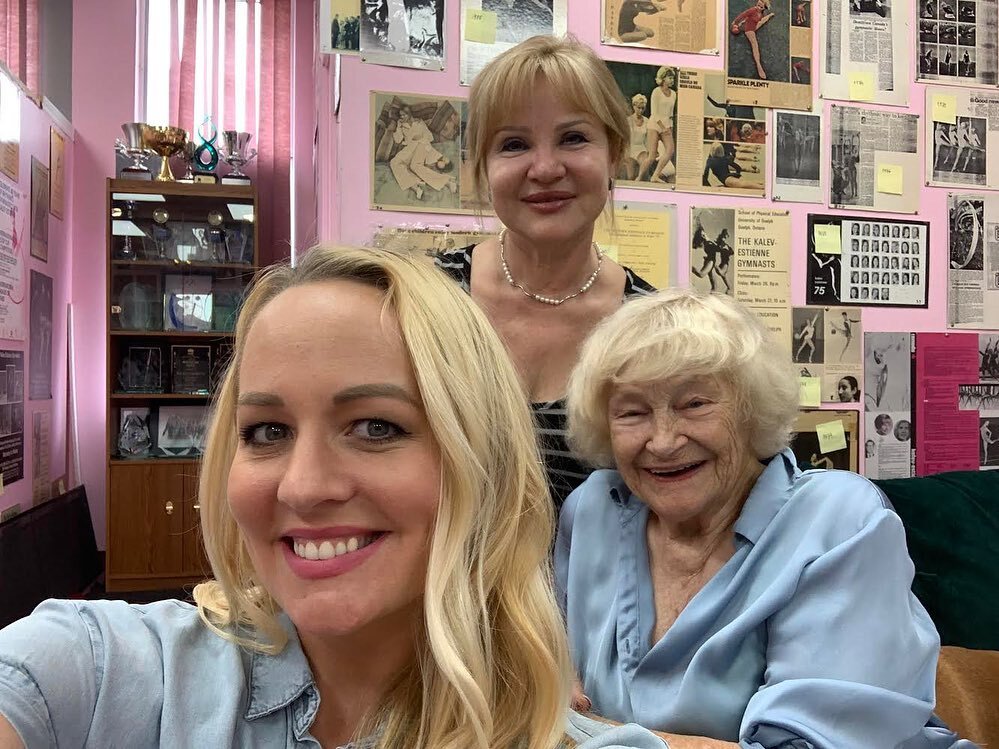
(493,669)
(682,331)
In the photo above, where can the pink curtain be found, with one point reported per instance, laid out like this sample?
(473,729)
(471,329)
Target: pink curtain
(268,118)
(19,40)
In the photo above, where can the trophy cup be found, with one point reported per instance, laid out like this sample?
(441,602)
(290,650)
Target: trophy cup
(235,156)
(162,233)
(216,238)
(165,142)
(127,250)
(134,148)
(190,159)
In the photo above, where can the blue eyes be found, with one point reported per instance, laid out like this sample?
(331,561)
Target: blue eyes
(369,430)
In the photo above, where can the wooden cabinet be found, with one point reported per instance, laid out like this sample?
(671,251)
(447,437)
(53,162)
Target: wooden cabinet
(179,259)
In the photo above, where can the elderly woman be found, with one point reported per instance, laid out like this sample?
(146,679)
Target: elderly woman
(376,518)
(711,589)
(547,130)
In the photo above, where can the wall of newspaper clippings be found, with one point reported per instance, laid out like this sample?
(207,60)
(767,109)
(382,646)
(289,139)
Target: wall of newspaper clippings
(857,138)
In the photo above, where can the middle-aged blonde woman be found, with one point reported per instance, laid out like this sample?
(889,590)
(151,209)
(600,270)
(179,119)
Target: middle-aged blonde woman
(376,518)
(711,589)
(547,129)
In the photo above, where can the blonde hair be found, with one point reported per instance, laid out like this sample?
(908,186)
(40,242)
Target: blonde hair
(663,72)
(681,331)
(493,670)
(581,79)
(640,98)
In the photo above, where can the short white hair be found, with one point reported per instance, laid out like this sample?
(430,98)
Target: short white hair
(682,331)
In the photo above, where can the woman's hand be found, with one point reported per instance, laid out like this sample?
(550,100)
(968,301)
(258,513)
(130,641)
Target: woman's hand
(580,702)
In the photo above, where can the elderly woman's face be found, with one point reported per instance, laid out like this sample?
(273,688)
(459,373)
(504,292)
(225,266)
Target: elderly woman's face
(680,448)
(336,478)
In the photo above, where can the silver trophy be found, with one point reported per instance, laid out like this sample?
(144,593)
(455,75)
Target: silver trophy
(135,148)
(234,154)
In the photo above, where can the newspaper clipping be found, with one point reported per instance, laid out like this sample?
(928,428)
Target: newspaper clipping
(490,27)
(957,46)
(875,160)
(808,442)
(685,135)
(416,153)
(674,25)
(825,343)
(641,236)
(973,273)
(426,241)
(866,54)
(769,46)
(867,262)
(406,34)
(963,126)
(888,450)
(797,170)
(340,26)
(745,253)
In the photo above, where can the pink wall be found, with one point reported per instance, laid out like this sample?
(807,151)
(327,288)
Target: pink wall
(103,94)
(345,153)
(35,125)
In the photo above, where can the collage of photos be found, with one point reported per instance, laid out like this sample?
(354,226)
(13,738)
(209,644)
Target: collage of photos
(948,39)
(986,400)
(887,405)
(880,263)
(769,46)
(826,344)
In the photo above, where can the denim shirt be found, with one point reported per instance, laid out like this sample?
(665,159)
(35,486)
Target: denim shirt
(118,676)
(807,637)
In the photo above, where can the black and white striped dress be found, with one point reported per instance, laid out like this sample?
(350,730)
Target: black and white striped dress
(564,471)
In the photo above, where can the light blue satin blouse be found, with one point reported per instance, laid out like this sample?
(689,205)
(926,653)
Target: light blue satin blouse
(807,638)
(108,674)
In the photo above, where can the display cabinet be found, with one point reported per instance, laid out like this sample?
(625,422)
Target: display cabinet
(179,259)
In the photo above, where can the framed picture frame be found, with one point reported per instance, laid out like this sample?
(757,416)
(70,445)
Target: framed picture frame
(134,436)
(807,446)
(141,370)
(190,369)
(180,430)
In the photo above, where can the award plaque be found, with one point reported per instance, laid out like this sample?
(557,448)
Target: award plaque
(141,370)
(191,369)
(134,440)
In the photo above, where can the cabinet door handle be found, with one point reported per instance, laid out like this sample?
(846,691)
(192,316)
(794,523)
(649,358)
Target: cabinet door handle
(197,507)
(169,508)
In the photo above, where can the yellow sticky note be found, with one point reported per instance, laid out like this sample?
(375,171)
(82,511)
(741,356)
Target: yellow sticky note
(944,108)
(831,436)
(890,179)
(480,26)
(809,392)
(827,239)
(862,86)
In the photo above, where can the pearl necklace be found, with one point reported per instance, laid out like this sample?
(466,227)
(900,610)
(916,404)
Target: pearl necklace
(547,299)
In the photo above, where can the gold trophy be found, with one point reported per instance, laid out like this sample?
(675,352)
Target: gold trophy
(165,142)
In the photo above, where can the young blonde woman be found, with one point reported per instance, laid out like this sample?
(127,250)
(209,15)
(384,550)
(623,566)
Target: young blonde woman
(378,525)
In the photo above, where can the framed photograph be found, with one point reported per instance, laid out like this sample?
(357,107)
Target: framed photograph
(187,302)
(134,436)
(141,370)
(190,369)
(873,262)
(180,430)
(39,210)
(57,176)
(808,448)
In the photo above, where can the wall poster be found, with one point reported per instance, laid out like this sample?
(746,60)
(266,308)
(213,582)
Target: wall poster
(11,416)
(13,237)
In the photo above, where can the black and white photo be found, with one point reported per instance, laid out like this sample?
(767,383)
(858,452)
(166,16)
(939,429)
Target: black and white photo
(959,155)
(180,430)
(405,33)
(797,157)
(40,337)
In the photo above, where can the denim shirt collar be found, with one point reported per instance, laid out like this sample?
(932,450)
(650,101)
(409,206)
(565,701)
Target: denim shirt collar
(768,495)
(277,681)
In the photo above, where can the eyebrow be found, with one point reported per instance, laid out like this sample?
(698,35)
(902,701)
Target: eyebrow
(558,125)
(357,392)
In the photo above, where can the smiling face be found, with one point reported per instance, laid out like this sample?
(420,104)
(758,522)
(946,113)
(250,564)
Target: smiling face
(548,169)
(680,448)
(336,479)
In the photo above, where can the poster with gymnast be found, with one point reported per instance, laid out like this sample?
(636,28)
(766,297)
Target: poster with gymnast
(673,25)
(962,149)
(769,53)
